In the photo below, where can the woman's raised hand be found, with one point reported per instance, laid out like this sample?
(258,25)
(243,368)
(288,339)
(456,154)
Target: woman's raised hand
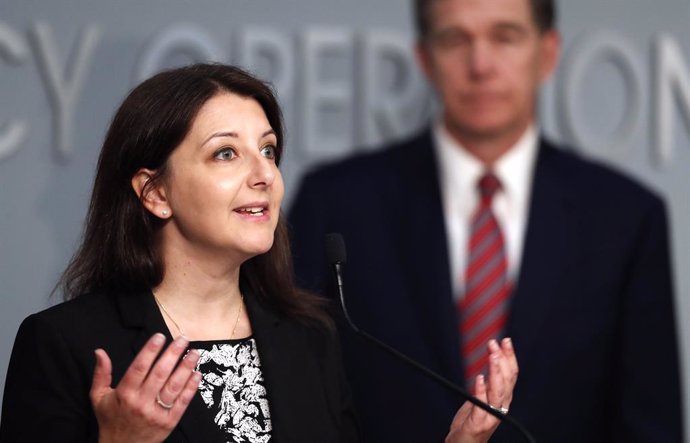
(153,394)
(473,424)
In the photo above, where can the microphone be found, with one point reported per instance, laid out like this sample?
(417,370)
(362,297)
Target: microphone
(337,257)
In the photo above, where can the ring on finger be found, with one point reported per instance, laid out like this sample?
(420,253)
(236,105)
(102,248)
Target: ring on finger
(165,405)
(500,409)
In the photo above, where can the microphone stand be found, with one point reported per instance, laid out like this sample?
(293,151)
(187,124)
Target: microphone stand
(337,269)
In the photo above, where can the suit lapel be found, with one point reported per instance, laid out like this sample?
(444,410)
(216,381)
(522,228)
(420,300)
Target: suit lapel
(421,232)
(547,242)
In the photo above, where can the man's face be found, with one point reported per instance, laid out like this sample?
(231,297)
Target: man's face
(486,59)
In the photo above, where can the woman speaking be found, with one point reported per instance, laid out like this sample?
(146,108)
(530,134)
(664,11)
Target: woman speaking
(184,244)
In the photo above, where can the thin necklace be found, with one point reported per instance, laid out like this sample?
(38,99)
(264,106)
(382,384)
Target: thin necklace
(179,329)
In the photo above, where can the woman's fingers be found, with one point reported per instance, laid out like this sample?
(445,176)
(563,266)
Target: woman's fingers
(463,412)
(511,363)
(466,425)
(480,420)
(139,368)
(152,395)
(186,395)
(102,375)
(509,369)
(155,379)
(497,386)
(474,424)
(164,366)
(471,423)
(178,381)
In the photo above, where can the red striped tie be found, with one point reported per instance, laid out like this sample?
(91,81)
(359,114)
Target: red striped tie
(483,309)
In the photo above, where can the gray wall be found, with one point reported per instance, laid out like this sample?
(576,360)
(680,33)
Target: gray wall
(345,76)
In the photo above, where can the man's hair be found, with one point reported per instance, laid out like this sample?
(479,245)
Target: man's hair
(543,11)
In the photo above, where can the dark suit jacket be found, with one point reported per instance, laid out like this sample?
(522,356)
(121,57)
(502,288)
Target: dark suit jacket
(591,316)
(47,388)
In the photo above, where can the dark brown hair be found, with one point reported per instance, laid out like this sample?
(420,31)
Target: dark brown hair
(543,11)
(118,250)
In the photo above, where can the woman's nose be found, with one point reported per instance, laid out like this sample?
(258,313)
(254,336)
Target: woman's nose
(263,172)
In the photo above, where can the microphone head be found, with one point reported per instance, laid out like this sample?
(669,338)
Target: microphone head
(335,248)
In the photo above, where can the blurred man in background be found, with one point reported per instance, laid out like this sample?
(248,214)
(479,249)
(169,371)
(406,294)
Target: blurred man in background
(478,227)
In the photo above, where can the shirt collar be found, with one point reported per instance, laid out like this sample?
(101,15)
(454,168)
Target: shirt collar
(459,170)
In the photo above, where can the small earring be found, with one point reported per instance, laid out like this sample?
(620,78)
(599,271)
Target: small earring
(164,212)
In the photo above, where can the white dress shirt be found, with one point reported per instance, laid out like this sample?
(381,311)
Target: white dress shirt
(459,173)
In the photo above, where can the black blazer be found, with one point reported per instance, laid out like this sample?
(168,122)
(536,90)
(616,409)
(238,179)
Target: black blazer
(47,388)
(591,315)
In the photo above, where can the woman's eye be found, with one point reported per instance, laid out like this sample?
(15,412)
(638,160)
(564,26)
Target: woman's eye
(225,154)
(269,151)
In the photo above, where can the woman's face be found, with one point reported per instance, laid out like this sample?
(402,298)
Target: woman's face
(223,187)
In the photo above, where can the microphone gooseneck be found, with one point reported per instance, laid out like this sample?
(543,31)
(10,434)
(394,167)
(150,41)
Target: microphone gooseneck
(337,257)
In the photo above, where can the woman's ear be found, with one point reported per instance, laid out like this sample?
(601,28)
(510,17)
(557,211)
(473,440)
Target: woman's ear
(152,196)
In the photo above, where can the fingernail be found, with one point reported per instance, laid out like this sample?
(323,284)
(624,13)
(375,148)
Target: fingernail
(480,379)
(181,342)
(158,339)
(508,342)
(493,344)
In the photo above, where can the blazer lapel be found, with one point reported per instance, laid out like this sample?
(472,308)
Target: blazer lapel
(285,363)
(547,242)
(139,311)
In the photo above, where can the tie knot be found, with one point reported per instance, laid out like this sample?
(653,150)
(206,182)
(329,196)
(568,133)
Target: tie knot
(488,185)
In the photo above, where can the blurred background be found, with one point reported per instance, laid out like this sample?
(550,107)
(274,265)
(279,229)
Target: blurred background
(346,78)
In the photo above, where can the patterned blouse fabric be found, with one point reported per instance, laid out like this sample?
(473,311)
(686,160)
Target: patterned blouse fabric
(233,389)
